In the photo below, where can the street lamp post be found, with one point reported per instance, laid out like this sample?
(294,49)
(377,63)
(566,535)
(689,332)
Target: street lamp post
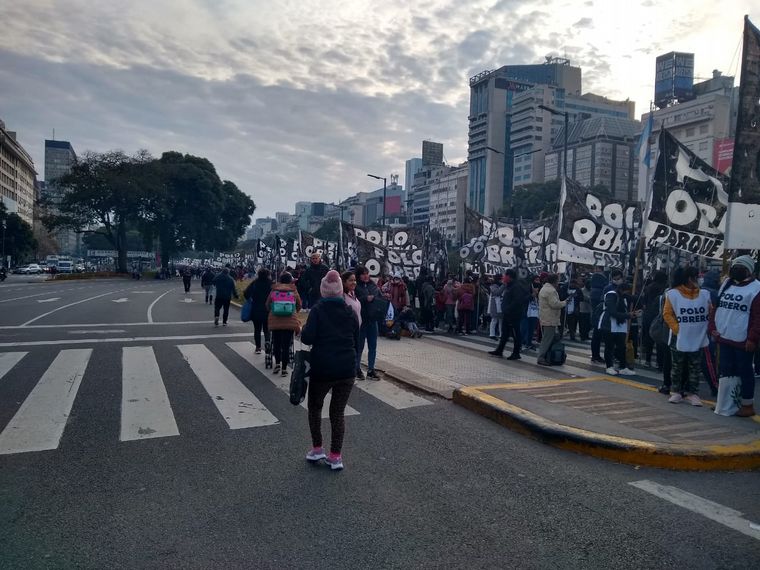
(384,189)
(564,148)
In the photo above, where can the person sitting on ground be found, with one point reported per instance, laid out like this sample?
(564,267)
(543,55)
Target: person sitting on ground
(408,322)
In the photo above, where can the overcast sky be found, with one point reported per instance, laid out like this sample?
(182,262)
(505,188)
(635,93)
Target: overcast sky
(299,99)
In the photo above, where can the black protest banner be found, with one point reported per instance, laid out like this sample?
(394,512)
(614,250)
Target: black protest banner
(327,249)
(744,201)
(687,210)
(595,229)
(380,260)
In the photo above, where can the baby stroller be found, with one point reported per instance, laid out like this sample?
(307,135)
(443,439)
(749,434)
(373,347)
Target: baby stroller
(268,360)
(392,327)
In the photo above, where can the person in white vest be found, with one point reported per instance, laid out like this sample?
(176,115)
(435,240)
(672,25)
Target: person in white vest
(736,328)
(687,314)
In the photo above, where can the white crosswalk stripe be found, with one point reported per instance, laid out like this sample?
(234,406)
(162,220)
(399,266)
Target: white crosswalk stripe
(8,360)
(237,404)
(245,349)
(38,425)
(145,408)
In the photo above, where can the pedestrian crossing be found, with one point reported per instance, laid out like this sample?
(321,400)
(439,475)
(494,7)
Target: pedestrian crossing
(146,410)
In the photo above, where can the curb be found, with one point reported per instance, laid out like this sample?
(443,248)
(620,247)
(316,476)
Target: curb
(737,457)
(413,383)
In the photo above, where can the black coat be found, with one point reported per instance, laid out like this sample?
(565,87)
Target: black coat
(225,287)
(514,301)
(312,279)
(258,291)
(363,290)
(333,333)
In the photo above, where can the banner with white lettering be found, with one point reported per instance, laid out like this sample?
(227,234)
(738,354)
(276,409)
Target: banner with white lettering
(380,260)
(595,229)
(687,210)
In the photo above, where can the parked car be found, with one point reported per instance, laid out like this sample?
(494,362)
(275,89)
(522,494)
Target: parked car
(65,267)
(33,269)
(20,269)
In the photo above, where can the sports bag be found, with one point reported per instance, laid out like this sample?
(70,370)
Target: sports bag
(283,303)
(245,312)
(659,331)
(557,355)
(299,375)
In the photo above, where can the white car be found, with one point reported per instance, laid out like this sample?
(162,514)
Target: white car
(33,268)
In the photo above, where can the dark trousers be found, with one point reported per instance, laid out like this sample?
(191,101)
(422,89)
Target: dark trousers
(737,362)
(509,328)
(222,303)
(260,324)
(281,346)
(572,325)
(584,324)
(614,348)
(341,390)
(465,321)
(186,282)
(596,343)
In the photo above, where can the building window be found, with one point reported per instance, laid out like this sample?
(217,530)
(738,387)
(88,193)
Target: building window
(704,129)
(703,145)
(690,132)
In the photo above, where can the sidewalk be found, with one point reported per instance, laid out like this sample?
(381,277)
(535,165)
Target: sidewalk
(575,408)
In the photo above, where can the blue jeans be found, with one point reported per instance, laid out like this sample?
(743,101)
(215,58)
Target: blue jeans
(368,333)
(737,362)
(528,328)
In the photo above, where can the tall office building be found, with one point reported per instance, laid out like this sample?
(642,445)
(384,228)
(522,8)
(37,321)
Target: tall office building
(489,146)
(59,158)
(17,176)
(432,153)
(413,166)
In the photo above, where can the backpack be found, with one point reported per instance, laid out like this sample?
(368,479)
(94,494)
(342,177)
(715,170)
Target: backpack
(659,331)
(283,303)
(557,355)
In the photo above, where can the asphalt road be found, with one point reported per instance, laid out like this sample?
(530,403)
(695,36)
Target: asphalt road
(427,484)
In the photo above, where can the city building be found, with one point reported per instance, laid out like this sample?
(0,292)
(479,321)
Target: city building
(706,123)
(254,232)
(432,153)
(489,153)
(372,210)
(413,166)
(266,226)
(282,218)
(59,158)
(17,176)
(601,151)
(447,197)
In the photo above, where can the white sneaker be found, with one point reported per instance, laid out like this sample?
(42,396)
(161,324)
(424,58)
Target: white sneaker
(675,398)
(611,371)
(315,454)
(694,400)
(627,372)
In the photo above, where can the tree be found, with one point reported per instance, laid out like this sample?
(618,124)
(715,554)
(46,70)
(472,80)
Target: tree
(107,190)
(540,200)
(329,231)
(190,207)
(17,237)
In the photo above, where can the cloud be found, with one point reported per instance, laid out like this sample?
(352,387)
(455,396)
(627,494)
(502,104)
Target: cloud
(584,23)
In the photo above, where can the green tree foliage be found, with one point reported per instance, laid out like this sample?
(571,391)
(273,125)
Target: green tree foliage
(103,190)
(329,231)
(135,241)
(17,238)
(539,200)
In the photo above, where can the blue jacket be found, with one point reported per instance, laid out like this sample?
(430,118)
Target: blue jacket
(225,287)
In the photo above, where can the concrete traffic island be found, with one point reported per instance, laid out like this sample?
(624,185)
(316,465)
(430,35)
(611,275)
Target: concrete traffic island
(620,420)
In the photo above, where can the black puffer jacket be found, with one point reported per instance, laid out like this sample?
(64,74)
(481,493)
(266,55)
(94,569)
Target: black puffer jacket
(514,301)
(312,278)
(364,290)
(333,333)
(258,291)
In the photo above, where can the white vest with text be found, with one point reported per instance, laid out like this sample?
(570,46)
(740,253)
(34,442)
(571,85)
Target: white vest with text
(732,314)
(692,316)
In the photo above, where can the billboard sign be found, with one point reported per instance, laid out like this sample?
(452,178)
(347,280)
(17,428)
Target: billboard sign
(723,155)
(674,78)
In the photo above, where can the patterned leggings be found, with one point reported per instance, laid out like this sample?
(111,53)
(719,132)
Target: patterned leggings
(687,371)
(341,390)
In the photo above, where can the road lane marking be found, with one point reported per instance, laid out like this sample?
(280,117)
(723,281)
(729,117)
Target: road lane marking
(391,394)
(122,300)
(39,423)
(156,300)
(145,408)
(26,297)
(70,305)
(82,325)
(48,300)
(237,404)
(714,511)
(106,331)
(121,339)
(8,360)
(245,350)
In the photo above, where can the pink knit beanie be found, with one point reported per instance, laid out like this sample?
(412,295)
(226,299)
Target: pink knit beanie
(331,285)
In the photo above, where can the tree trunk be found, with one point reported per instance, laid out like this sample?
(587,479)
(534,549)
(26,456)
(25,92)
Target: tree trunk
(121,246)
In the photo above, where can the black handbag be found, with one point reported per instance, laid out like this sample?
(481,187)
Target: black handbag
(659,330)
(299,375)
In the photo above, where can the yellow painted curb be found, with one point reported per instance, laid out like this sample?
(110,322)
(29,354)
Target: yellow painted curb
(736,457)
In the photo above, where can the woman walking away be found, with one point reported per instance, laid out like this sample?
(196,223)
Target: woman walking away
(686,311)
(332,330)
(368,293)
(258,293)
(283,305)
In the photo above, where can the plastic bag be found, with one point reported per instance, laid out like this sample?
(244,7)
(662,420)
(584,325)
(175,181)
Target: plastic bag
(729,395)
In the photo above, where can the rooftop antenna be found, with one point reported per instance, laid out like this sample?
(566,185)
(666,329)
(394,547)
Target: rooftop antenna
(53,133)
